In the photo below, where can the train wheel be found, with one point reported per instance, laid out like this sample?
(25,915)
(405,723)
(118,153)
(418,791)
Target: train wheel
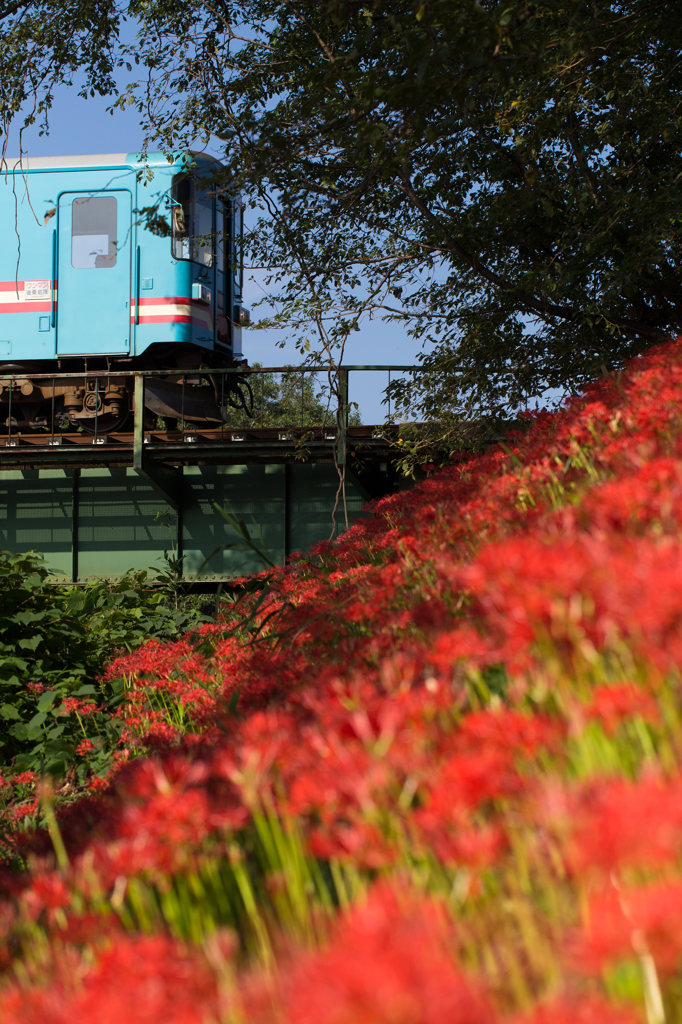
(105,424)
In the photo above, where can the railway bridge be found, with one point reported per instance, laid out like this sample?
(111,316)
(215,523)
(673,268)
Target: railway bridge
(98,504)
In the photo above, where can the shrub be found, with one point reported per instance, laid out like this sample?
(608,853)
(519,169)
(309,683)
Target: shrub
(54,642)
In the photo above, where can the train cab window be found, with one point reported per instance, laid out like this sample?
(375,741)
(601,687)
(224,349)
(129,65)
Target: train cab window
(222,235)
(93,232)
(238,256)
(222,246)
(204,241)
(193,236)
(222,239)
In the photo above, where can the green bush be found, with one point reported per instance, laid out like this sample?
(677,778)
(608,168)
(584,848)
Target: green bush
(54,642)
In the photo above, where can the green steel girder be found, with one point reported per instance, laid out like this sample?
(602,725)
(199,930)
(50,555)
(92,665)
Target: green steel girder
(100,521)
(165,480)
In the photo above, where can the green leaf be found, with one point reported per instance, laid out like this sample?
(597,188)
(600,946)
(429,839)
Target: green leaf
(34,728)
(31,643)
(8,711)
(46,700)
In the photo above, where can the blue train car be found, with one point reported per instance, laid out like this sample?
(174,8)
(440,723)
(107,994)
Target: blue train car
(104,267)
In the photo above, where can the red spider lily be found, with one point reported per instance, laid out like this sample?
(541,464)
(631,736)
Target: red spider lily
(46,892)
(511,731)
(625,922)
(613,705)
(86,930)
(81,707)
(358,843)
(24,810)
(584,593)
(140,981)
(389,960)
(456,839)
(620,824)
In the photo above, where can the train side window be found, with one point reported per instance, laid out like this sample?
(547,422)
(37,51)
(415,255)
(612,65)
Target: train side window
(203,241)
(193,237)
(183,216)
(93,232)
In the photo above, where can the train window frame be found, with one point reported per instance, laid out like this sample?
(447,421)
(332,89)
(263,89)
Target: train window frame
(237,247)
(223,209)
(187,199)
(181,216)
(106,224)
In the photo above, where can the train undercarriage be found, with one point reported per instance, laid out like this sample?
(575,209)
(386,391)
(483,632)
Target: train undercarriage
(100,398)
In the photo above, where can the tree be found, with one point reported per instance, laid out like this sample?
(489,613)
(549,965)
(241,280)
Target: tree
(503,177)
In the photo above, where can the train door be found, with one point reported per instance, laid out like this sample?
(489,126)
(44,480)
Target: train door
(93,274)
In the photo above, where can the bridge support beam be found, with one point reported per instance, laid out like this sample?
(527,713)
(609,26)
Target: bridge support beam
(166,480)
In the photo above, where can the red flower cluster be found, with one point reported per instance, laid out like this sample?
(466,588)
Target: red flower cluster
(72,705)
(471,694)
(140,981)
(390,960)
(611,706)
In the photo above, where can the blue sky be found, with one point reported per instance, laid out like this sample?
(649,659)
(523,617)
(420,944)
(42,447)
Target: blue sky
(84,126)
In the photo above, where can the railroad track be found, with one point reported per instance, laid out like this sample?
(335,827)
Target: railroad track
(199,435)
(196,446)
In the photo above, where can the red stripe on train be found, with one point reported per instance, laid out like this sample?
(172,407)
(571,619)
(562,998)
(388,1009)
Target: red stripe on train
(11,286)
(25,307)
(178,318)
(145,300)
(169,300)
